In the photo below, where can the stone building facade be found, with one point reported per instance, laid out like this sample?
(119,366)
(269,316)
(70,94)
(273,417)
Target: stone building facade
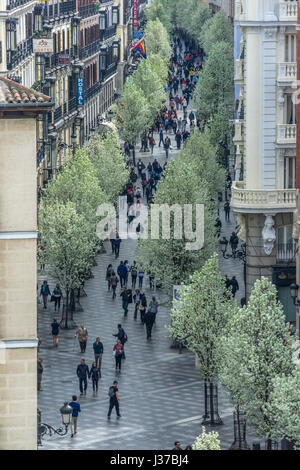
(264,193)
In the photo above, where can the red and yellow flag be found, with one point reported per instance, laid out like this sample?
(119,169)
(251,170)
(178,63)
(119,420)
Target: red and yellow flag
(141,48)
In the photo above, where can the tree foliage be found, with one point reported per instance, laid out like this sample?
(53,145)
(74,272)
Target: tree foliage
(157,40)
(158,11)
(200,318)
(215,30)
(285,405)
(105,154)
(207,441)
(257,351)
(150,84)
(132,115)
(215,84)
(191,15)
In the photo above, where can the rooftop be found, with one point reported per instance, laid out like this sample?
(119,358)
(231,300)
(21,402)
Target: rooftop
(14,94)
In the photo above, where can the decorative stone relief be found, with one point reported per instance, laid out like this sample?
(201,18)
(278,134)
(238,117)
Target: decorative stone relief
(269,234)
(241,221)
(270,34)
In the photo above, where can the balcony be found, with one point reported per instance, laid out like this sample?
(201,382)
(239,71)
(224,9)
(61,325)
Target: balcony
(108,32)
(92,91)
(87,51)
(286,134)
(260,201)
(287,72)
(24,49)
(11,4)
(88,10)
(59,9)
(239,10)
(288,10)
(286,253)
(72,105)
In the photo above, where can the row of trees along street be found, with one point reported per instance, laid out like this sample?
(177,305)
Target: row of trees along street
(248,350)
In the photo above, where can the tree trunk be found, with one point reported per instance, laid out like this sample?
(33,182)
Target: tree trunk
(269,444)
(211,416)
(133,154)
(239,423)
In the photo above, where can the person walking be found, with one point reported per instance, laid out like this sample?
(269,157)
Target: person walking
(40,370)
(227,211)
(55,332)
(82,334)
(152,143)
(153,307)
(136,298)
(95,374)
(141,278)
(117,243)
(134,273)
(234,286)
(234,241)
(82,373)
(57,294)
(114,282)
(143,307)
(75,405)
(114,400)
(167,145)
(177,446)
(45,291)
(109,271)
(122,272)
(98,352)
(161,136)
(178,139)
(125,300)
(118,352)
(149,319)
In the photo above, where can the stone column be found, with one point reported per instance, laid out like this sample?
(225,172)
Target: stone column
(18,284)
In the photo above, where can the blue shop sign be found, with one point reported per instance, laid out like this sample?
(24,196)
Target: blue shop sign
(138,34)
(80,91)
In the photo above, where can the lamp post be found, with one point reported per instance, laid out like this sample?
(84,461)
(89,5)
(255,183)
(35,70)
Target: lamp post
(294,294)
(47,429)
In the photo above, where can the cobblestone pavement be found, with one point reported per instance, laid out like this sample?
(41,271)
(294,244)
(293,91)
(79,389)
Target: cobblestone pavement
(160,390)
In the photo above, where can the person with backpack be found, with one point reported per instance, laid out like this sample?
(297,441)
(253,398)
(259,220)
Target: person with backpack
(95,374)
(114,400)
(234,286)
(140,167)
(118,352)
(114,282)
(57,295)
(117,243)
(227,211)
(45,291)
(167,145)
(82,335)
(134,273)
(109,271)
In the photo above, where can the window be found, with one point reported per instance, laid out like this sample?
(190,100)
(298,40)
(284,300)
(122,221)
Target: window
(285,244)
(290,172)
(290,48)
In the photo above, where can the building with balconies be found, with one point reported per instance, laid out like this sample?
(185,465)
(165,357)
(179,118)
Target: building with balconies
(264,193)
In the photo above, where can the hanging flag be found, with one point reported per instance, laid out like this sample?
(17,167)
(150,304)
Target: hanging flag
(141,48)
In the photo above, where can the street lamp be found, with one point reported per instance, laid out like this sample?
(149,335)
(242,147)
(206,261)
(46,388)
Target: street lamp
(102,20)
(44,428)
(115,15)
(38,19)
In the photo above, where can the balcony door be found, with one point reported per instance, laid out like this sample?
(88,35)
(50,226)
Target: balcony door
(290,48)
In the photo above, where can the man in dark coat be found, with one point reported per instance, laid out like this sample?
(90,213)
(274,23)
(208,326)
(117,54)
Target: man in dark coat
(149,320)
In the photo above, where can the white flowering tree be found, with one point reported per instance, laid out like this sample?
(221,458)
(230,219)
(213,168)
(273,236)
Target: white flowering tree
(191,15)
(158,10)
(215,30)
(198,320)
(257,351)
(110,167)
(207,441)
(68,243)
(285,405)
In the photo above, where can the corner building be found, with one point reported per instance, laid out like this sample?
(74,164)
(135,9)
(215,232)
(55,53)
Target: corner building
(264,193)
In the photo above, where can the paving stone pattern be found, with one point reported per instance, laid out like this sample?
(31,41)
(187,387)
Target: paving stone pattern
(160,390)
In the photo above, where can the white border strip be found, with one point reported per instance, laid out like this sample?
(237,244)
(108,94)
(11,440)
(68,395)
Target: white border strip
(18,343)
(18,235)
